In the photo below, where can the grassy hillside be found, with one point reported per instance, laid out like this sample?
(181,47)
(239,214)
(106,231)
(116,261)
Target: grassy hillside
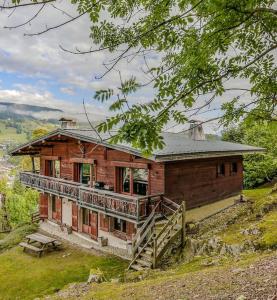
(9,134)
(17,132)
(24,277)
(246,272)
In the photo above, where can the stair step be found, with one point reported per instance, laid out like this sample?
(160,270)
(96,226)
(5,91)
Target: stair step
(137,267)
(148,249)
(144,263)
(146,256)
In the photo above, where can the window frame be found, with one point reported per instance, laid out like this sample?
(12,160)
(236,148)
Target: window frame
(131,182)
(85,216)
(53,204)
(219,168)
(233,171)
(122,225)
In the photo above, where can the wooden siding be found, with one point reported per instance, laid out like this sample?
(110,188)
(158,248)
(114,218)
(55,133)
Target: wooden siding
(197,181)
(105,159)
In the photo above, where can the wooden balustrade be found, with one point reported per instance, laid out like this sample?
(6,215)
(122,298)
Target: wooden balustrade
(131,207)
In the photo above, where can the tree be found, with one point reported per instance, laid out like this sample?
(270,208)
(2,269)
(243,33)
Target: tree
(39,132)
(202,44)
(20,202)
(258,168)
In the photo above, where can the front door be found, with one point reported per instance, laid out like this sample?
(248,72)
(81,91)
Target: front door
(56,208)
(74,216)
(67,212)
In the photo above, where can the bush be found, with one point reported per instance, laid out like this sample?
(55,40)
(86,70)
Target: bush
(258,168)
(16,236)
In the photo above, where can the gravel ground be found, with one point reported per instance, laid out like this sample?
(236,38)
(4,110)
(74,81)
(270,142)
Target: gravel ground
(257,281)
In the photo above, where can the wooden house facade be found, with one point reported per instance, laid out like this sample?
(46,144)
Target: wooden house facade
(107,191)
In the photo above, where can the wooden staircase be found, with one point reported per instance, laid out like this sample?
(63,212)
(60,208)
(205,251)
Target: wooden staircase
(155,236)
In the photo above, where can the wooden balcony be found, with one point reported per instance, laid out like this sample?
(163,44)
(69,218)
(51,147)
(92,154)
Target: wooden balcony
(119,205)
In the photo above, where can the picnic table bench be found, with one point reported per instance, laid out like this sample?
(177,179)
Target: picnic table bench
(44,243)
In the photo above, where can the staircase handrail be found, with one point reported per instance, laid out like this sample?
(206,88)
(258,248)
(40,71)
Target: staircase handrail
(168,223)
(176,205)
(140,235)
(139,252)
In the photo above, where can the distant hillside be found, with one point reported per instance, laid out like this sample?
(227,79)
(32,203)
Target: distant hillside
(20,112)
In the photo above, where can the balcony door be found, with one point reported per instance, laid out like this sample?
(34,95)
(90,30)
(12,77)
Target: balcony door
(84,173)
(52,168)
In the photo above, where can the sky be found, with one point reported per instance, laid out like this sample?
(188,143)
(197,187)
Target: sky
(35,70)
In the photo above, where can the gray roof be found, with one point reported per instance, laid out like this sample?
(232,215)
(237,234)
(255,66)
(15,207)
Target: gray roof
(177,145)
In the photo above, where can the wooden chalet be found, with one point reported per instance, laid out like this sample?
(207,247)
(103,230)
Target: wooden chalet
(111,192)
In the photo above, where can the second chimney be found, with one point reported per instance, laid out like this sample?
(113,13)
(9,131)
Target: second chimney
(196,131)
(67,123)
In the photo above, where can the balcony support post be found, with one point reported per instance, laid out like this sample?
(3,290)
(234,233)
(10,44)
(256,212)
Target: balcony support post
(33,164)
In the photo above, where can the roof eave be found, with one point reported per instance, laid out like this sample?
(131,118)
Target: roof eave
(190,156)
(15,151)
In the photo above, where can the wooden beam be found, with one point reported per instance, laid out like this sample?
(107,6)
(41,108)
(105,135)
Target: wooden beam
(42,145)
(130,164)
(50,157)
(57,141)
(82,160)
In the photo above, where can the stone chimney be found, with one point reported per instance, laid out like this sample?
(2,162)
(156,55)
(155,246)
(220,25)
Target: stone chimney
(67,123)
(196,131)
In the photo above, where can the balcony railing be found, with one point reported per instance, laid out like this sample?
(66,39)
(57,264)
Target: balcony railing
(131,207)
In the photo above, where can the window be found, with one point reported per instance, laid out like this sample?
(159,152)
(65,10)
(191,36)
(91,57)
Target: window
(133,181)
(57,169)
(53,204)
(120,225)
(85,173)
(85,216)
(221,170)
(234,167)
(140,181)
(52,168)
(125,180)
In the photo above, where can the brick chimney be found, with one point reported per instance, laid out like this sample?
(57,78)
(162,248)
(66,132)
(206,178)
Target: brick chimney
(196,131)
(67,123)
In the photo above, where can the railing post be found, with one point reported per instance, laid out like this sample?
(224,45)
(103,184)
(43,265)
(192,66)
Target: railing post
(133,249)
(183,223)
(138,210)
(154,260)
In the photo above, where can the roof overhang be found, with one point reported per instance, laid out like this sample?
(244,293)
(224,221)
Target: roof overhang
(34,147)
(191,156)
(45,141)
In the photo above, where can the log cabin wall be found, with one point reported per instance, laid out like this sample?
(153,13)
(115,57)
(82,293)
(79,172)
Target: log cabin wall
(198,181)
(105,159)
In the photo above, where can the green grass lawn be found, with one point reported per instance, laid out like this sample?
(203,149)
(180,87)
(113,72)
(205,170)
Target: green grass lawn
(23,276)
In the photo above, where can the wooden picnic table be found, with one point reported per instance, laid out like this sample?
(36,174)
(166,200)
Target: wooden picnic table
(45,243)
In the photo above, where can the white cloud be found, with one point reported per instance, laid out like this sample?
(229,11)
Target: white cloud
(40,56)
(67,90)
(29,96)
